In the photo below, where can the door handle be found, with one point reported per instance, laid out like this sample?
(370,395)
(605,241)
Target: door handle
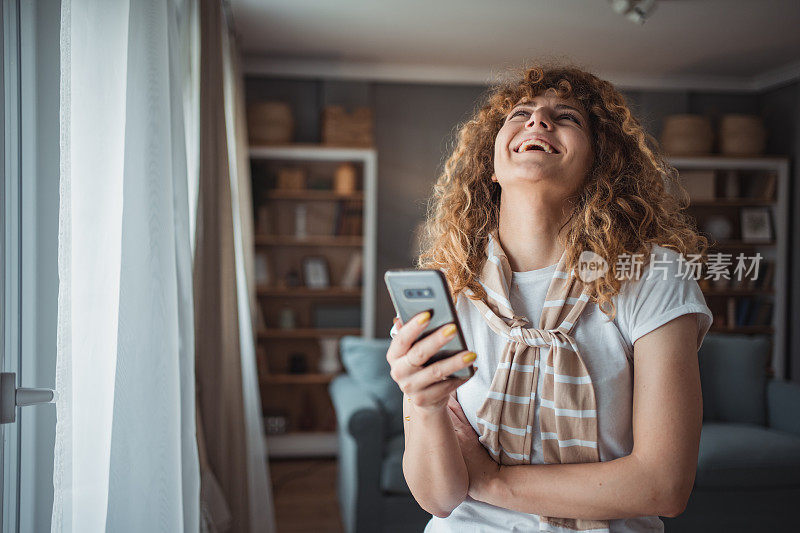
(12,397)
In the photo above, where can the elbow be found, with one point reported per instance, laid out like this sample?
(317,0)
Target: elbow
(674,509)
(675,499)
(441,510)
(439,502)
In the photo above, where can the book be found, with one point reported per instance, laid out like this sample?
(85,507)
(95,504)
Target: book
(743,311)
(767,276)
(730,318)
(763,314)
(700,184)
(352,273)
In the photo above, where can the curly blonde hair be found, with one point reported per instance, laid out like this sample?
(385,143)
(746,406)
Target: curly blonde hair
(631,197)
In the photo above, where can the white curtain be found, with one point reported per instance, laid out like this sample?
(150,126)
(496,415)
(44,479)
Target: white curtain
(126,453)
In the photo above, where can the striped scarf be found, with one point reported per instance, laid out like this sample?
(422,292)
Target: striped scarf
(567,415)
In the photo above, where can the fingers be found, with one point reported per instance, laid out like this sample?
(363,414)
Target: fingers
(413,382)
(424,349)
(406,336)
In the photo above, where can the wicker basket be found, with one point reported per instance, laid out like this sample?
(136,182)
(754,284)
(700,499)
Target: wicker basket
(687,135)
(340,128)
(742,135)
(270,123)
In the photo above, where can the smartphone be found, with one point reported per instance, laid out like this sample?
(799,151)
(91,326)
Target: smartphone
(414,291)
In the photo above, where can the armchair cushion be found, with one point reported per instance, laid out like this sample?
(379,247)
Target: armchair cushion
(733,378)
(365,361)
(747,456)
(783,406)
(392,479)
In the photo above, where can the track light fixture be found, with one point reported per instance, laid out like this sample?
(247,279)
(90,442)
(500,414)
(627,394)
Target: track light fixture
(635,10)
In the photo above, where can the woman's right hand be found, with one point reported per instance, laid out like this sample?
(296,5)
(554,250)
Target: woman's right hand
(427,387)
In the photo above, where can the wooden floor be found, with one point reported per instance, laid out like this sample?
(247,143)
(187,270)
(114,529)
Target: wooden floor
(305,497)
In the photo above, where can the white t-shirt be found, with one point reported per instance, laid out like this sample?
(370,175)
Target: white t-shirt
(643,305)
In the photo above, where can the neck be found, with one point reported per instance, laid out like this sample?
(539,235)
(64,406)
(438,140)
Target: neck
(531,232)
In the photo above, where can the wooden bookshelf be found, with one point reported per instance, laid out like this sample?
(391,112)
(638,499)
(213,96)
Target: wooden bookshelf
(336,227)
(741,183)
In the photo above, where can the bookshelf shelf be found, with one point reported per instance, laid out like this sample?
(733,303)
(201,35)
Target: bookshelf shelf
(733,202)
(306,333)
(749,330)
(726,189)
(314,196)
(311,240)
(305,292)
(315,248)
(303,444)
(734,292)
(297,379)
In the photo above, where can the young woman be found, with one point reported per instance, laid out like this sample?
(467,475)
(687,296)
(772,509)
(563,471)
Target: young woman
(585,410)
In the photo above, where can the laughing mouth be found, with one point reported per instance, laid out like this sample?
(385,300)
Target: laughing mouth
(535,144)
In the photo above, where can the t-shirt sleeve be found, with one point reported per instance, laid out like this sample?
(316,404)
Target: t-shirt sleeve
(665,290)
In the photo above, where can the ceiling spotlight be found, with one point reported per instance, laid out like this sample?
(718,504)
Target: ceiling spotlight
(635,10)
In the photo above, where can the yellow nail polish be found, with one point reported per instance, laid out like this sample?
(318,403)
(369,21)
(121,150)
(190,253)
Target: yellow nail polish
(469,357)
(449,330)
(424,317)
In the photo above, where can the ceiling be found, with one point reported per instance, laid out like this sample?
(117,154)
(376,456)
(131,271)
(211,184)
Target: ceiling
(704,44)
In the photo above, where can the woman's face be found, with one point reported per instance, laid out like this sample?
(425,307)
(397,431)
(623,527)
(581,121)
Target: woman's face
(544,143)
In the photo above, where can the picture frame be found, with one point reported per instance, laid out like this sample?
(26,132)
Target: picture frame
(756,224)
(316,273)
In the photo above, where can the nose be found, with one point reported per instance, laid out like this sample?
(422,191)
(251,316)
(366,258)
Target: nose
(538,116)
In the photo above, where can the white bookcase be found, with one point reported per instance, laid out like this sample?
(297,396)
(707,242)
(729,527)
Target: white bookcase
(777,250)
(278,386)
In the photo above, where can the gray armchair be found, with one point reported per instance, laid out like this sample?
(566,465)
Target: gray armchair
(748,470)
(373,494)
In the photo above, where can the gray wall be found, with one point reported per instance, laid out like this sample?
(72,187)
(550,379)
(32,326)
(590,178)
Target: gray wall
(415,128)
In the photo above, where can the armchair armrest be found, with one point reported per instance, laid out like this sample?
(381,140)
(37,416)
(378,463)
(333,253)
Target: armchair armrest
(361,433)
(783,404)
(357,413)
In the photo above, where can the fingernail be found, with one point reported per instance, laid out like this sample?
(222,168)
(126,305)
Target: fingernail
(424,317)
(469,357)
(449,330)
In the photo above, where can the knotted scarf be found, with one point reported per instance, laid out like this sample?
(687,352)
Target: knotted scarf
(568,411)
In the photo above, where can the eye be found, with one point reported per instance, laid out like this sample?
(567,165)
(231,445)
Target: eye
(571,117)
(517,113)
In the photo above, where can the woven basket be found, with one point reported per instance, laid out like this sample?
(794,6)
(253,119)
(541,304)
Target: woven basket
(687,135)
(270,123)
(340,128)
(742,135)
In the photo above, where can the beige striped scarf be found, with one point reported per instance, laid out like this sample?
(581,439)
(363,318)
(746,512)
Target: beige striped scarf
(568,411)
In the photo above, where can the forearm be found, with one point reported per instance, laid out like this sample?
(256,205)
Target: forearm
(432,464)
(622,488)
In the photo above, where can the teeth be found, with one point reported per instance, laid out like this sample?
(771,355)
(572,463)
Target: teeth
(526,145)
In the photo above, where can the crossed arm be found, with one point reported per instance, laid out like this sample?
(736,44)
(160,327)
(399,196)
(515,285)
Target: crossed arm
(655,479)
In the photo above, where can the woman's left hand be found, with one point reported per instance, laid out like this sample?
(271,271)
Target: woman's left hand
(480,466)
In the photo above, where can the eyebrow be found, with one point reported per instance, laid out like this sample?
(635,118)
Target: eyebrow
(557,107)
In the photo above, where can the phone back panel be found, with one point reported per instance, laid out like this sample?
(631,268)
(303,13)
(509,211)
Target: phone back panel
(414,291)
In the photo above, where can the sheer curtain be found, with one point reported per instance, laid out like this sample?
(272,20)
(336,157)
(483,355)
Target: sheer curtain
(126,454)
(233,458)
